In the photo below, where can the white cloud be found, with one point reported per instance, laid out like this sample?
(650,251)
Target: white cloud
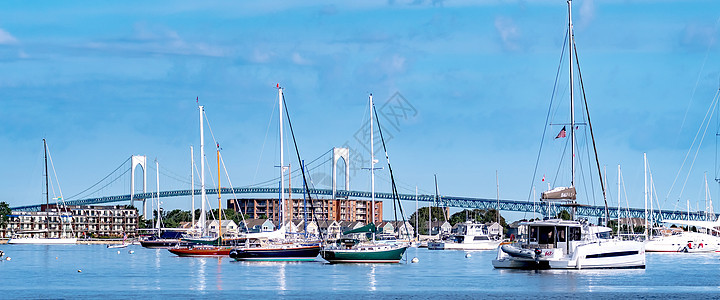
(587,12)
(509,33)
(6,38)
(299,60)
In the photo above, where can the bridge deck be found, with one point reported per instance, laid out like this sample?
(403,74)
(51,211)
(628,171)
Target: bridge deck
(450,201)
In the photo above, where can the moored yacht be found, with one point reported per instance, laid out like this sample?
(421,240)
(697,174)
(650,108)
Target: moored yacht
(470,236)
(559,244)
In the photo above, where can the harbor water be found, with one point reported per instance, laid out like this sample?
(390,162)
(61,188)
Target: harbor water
(94,271)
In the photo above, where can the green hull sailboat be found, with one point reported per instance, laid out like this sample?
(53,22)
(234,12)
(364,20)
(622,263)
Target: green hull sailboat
(363,253)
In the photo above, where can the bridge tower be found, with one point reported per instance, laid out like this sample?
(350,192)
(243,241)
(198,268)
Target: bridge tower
(339,153)
(135,161)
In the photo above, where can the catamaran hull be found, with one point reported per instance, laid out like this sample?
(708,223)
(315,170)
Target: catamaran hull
(600,255)
(490,245)
(307,253)
(359,256)
(41,241)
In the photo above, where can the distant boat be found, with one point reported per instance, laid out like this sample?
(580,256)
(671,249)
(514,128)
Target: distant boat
(31,237)
(471,236)
(201,250)
(123,245)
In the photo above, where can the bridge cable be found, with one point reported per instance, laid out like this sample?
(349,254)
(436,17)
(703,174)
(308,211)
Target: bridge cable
(101,180)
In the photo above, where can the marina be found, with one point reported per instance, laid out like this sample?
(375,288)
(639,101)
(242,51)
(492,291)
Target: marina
(156,273)
(485,100)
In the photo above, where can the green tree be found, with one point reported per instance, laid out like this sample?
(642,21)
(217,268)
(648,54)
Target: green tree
(564,215)
(478,215)
(5,212)
(438,214)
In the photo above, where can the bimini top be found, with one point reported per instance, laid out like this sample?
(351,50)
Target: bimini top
(553,222)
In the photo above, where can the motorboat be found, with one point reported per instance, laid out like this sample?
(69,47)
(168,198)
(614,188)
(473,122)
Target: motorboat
(471,236)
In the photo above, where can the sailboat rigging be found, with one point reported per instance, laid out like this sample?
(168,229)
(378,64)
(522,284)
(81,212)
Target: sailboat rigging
(32,237)
(354,251)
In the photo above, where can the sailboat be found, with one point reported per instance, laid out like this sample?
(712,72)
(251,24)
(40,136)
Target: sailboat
(161,239)
(573,244)
(662,239)
(274,246)
(33,237)
(355,251)
(204,245)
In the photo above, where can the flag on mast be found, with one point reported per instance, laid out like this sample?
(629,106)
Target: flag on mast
(561,134)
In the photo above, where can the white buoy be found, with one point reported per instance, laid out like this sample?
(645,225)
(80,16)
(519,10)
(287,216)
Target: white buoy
(79,271)
(118,251)
(131,252)
(414,260)
(468,255)
(7,258)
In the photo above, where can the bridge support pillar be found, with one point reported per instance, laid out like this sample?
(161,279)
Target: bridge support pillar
(339,153)
(135,161)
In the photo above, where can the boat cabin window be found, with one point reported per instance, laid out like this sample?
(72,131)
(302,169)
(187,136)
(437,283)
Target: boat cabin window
(480,238)
(561,234)
(547,235)
(574,234)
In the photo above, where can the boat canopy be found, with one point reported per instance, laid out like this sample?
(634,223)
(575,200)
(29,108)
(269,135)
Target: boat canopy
(369,228)
(713,226)
(559,193)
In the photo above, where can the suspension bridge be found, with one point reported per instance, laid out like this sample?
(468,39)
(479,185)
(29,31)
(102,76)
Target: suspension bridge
(539,208)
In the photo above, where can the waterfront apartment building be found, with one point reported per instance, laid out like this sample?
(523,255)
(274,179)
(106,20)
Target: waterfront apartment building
(325,209)
(82,221)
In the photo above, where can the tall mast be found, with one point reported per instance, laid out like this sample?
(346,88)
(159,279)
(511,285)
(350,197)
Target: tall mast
(417,214)
(202,174)
(219,197)
(192,185)
(282,160)
(646,195)
(497,208)
(47,195)
(372,161)
(572,96)
(157,194)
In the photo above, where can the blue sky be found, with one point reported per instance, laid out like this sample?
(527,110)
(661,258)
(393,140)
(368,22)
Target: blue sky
(103,81)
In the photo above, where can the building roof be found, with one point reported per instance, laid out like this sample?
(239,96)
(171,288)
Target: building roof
(250,223)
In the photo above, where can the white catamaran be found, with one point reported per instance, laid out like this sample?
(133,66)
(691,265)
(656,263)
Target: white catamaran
(560,244)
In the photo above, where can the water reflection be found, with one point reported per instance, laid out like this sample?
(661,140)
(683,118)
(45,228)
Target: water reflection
(371,278)
(198,266)
(281,277)
(218,274)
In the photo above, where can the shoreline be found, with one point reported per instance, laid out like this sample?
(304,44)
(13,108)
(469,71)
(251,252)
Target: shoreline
(87,242)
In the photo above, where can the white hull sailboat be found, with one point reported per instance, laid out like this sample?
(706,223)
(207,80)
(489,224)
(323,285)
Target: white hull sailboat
(42,241)
(33,237)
